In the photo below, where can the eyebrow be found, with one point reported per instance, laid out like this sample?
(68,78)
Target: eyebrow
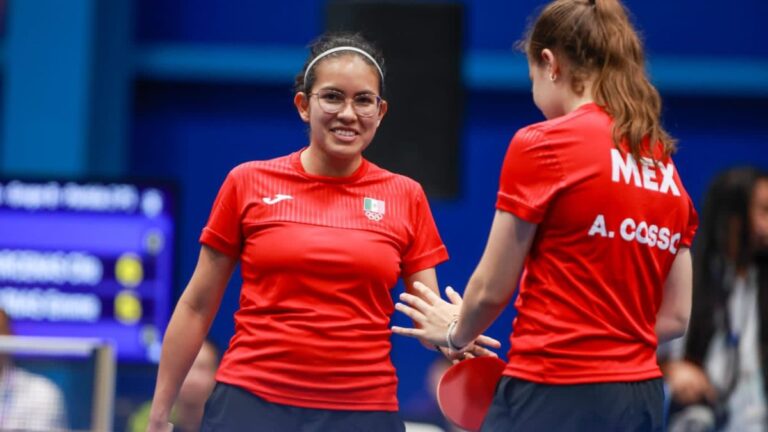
(360,93)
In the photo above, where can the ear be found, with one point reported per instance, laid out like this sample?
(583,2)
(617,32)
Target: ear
(301,101)
(382,111)
(550,61)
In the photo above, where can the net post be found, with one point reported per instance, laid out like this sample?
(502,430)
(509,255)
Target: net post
(104,389)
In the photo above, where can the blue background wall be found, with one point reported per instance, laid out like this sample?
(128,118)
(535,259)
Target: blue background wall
(207,85)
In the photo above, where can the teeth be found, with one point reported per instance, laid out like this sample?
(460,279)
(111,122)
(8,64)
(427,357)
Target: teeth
(344,132)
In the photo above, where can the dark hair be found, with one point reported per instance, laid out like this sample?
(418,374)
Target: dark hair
(596,36)
(333,40)
(722,246)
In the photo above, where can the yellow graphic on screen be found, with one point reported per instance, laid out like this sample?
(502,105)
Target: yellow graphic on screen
(127,307)
(129,271)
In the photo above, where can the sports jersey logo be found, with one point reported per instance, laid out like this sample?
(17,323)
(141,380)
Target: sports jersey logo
(374,209)
(276,199)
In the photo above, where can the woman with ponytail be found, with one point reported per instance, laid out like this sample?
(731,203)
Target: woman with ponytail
(593,214)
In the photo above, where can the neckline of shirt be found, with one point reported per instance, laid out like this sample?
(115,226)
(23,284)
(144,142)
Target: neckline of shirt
(588,106)
(359,172)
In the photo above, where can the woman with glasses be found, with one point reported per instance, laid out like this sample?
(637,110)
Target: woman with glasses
(322,236)
(594,222)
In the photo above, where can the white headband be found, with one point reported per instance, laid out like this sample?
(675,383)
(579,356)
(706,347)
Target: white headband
(337,49)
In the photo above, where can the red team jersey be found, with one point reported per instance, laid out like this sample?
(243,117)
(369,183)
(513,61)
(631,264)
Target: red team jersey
(609,228)
(319,256)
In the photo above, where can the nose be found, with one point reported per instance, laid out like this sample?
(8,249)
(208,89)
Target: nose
(347,112)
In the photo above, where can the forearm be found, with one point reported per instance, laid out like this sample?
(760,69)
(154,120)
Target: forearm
(495,279)
(183,339)
(481,306)
(675,310)
(487,293)
(670,327)
(188,327)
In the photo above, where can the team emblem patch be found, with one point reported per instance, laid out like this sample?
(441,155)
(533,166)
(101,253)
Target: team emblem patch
(374,209)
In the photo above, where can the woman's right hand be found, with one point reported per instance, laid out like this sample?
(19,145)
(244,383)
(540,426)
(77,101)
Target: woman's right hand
(433,316)
(688,383)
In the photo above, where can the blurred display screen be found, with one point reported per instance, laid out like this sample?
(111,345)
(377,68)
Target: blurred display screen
(88,260)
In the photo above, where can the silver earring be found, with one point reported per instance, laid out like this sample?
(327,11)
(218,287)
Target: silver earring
(552,77)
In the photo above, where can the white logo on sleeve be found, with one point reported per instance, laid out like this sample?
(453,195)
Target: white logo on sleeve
(373,208)
(276,199)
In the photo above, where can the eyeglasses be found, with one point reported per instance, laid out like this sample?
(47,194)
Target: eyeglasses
(332,102)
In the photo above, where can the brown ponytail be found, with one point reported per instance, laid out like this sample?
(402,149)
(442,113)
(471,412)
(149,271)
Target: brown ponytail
(597,39)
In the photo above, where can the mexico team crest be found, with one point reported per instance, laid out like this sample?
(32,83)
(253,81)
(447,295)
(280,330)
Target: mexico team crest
(374,209)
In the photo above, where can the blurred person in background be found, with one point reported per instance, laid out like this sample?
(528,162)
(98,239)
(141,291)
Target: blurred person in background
(28,401)
(322,236)
(717,376)
(187,411)
(592,213)
(423,409)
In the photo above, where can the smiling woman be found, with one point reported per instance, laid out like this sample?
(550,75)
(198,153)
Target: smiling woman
(322,236)
(345,111)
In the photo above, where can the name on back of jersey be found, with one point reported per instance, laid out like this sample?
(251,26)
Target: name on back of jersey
(642,232)
(645,175)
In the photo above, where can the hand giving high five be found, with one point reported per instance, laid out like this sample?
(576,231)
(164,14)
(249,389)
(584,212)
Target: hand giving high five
(433,317)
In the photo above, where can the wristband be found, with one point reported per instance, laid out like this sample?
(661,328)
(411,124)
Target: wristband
(449,340)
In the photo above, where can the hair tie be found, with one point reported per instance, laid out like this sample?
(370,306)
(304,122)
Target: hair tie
(342,48)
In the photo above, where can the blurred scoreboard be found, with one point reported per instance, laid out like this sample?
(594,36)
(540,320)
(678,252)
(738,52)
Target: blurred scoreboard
(88,259)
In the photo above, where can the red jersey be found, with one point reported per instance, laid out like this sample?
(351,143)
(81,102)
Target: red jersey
(609,228)
(319,256)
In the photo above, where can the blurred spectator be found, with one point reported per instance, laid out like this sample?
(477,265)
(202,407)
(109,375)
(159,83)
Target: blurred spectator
(188,409)
(28,402)
(423,413)
(717,376)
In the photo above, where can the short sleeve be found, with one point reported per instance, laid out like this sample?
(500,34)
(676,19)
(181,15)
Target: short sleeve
(530,177)
(223,231)
(691,227)
(426,249)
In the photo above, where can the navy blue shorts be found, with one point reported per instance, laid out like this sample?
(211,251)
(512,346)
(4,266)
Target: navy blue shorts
(232,409)
(520,405)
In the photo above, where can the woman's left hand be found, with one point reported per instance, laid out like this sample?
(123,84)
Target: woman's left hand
(433,315)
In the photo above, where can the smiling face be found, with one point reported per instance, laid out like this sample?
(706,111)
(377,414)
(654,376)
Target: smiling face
(339,139)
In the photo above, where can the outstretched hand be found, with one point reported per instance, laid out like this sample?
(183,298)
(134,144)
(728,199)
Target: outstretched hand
(432,316)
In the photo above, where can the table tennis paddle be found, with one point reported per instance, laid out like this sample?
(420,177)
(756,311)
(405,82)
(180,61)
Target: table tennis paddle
(465,391)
